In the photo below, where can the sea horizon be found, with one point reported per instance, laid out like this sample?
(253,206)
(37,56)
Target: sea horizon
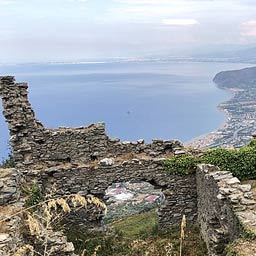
(136,99)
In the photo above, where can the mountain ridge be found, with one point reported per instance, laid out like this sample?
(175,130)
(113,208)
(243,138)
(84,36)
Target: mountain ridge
(240,79)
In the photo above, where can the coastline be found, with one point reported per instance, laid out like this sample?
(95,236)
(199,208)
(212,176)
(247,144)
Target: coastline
(227,135)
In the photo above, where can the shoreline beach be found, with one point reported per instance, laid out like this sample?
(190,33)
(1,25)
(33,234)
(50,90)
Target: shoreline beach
(238,127)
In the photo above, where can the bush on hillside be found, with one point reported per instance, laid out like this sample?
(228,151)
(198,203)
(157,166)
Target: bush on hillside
(181,164)
(241,163)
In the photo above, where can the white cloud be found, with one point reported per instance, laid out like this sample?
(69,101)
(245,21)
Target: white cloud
(249,28)
(155,11)
(180,22)
(146,13)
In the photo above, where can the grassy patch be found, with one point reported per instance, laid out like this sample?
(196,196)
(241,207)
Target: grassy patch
(137,226)
(137,236)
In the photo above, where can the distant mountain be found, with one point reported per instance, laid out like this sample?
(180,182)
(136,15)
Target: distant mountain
(247,55)
(241,79)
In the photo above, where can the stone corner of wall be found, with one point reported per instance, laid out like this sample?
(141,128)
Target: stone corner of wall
(226,210)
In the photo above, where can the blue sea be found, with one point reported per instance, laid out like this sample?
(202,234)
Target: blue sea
(168,100)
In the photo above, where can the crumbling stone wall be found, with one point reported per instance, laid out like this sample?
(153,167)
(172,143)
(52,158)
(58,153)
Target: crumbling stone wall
(35,146)
(12,225)
(226,209)
(179,191)
(10,237)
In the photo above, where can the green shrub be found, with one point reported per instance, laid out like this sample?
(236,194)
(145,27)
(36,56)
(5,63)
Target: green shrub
(34,195)
(225,159)
(241,163)
(181,164)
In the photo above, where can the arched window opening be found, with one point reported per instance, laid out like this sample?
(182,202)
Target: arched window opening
(131,198)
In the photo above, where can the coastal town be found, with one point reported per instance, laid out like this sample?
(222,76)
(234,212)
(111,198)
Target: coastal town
(240,123)
(128,198)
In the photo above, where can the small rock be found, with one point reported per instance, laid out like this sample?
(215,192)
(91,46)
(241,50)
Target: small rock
(220,196)
(1,184)
(125,162)
(233,181)
(153,154)
(179,152)
(245,188)
(247,201)
(140,141)
(126,142)
(4,238)
(95,154)
(225,191)
(248,195)
(114,140)
(235,198)
(107,162)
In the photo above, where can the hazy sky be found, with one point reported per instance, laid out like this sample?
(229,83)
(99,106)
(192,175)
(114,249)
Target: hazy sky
(45,30)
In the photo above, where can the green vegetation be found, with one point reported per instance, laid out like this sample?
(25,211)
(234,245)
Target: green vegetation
(138,225)
(137,235)
(34,195)
(181,164)
(242,162)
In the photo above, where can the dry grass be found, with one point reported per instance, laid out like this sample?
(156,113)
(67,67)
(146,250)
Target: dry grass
(41,218)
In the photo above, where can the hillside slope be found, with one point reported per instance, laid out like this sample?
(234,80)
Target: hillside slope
(241,79)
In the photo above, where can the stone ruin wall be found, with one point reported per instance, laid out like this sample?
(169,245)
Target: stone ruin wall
(226,212)
(75,160)
(35,146)
(179,191)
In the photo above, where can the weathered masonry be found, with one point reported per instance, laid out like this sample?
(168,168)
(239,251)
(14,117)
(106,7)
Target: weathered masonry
(35,146)
(86,161)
